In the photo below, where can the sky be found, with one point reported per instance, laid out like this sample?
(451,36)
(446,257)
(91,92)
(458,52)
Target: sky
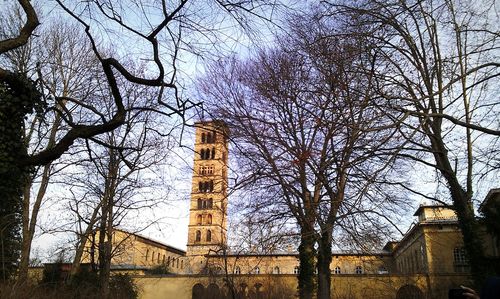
(168,221)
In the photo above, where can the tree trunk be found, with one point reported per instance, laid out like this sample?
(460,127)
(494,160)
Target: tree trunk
(324,260)
(465,214)
(307,263)
(103,254)
(84,238)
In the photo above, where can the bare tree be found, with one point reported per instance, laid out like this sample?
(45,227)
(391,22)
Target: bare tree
(307,134)
(163,37)
(437,66)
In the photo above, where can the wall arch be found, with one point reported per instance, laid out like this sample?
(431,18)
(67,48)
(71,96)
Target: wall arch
(213,291)
(409,291)
(198,291)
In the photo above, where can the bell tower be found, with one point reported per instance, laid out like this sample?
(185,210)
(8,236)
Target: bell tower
(207,213)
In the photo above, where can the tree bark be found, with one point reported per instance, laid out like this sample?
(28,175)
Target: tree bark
(324,260)
(463,207)
(307,264)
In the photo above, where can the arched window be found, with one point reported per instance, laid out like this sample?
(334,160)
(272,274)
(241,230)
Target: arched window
(206,186)
(210,203)
(177,263)
(237,270)
(209,137)
(209,236)
(209,219)
(182,264)
(211,186)
(202,154)
(204,204)
(203,138)
(200,186)
(153,257)
(337,270)
(147,254)
(276,270)
(200,203)
(296,270)
(168,261)
(213,152)
(158,258)
(198,236)
(163,260)
(198,219)
(359,270)
(256,270)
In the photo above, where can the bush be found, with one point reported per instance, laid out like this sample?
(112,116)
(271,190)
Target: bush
(158,270)
(123,286)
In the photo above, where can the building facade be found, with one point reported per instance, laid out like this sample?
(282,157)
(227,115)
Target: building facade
(425,263)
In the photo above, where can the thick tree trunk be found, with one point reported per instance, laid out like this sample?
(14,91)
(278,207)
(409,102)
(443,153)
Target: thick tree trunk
(307,264)
(324,260)
(465,214)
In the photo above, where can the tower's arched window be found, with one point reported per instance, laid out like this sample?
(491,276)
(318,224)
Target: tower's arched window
(209,236)
(200,202)
(256,270)
(359,270)
(204,204)
(214,137)
(237,270)
(203,140)
(296,270)
(202,154)
(210,203)
(213,152)
(209,219)
(209,137)
(198,237)
(200,186)
(198,219)
(211,186)
(276,270)
(337,270)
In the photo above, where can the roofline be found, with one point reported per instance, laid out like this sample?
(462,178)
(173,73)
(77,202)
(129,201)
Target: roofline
(429,206)
(487,197)
(416,225)
(296,254)
(155,242)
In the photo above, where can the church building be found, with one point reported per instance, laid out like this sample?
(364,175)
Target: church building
(425,263)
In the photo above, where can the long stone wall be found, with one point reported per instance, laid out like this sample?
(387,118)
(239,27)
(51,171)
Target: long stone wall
(284,286)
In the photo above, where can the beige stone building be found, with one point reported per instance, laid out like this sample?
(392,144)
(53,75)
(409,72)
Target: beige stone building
(425,263)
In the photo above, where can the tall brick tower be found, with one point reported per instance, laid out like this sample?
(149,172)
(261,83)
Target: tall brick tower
(207,214)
